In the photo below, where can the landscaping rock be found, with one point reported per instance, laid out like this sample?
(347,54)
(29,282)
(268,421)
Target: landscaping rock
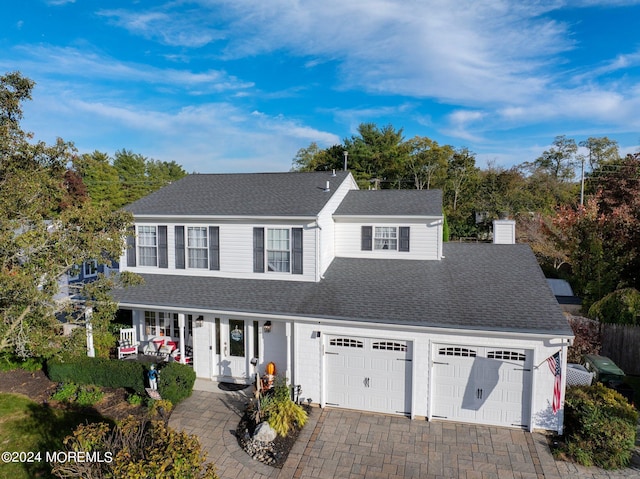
(264,433)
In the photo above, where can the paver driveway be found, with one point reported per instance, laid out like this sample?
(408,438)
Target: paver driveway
(353,445)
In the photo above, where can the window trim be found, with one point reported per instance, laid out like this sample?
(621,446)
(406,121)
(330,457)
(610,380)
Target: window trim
(143,231)
(188,248)
(95,268)
(269,249)
(372,236)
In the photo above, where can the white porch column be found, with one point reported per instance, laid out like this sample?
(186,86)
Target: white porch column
(183,359)
(287,326)
(91,352)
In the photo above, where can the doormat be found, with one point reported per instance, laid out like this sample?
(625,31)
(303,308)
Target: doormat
(232,386)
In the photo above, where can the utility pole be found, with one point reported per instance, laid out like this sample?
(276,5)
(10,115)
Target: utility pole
(582,183)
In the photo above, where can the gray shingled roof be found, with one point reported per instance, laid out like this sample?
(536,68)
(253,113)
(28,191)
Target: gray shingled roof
(476,286)
(391,202)
(243,194)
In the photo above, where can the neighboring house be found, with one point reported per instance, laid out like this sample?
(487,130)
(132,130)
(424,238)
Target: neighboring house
(71,282)
(352,294)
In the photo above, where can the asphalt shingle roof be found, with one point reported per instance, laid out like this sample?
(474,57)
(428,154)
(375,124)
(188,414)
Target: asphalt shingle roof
(243,194)
(476,286)
(391,203)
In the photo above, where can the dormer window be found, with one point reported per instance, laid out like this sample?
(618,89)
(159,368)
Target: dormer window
(386,237)
(148,245)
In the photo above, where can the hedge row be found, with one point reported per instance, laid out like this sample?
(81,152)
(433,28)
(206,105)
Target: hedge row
(175,383)
(99,371)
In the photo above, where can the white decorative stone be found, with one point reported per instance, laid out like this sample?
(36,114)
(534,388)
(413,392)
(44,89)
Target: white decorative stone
(264,433)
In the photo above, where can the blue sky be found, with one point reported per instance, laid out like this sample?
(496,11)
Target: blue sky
(242,85)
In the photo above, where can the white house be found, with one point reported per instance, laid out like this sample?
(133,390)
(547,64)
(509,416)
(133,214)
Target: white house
(352,294)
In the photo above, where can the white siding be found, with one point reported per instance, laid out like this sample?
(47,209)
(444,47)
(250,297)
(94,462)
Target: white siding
(327,226)
(236,251)
(424,239)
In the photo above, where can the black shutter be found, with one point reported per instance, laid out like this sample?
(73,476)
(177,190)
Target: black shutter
(404,239)
(163,255)
(214,248)
(131,247)
(258,250)
(296,250)
(367,238)
(179,247)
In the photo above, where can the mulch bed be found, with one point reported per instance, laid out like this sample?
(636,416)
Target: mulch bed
(274,453)
(37,387)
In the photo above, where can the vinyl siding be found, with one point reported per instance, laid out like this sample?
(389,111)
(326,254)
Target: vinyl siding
(425,239)
(236,251)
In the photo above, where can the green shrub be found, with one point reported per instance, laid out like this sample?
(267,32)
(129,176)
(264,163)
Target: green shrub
(620,307)
(66,392)
(135,399)
(99,371)
(283,416)
(89,395)
(600,427)
(9,362)
(176,382)
(279,410)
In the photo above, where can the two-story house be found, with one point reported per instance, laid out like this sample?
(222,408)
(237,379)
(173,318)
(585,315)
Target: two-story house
(352,294)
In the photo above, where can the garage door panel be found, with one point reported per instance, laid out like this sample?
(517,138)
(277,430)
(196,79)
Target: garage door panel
(372,377)
(475,384)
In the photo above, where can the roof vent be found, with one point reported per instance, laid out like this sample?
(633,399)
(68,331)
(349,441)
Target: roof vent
(327,187)
(333,172)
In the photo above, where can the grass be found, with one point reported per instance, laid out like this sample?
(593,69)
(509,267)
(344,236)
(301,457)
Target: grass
(28,426)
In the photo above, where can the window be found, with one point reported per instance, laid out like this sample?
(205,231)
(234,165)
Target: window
(455,351)
(148,245)
(150,327)
(90,268)
(386,237)
(278,250)
(197,247)
(509,355)
(389,346)
(165,324)
(346,343)
(74,272)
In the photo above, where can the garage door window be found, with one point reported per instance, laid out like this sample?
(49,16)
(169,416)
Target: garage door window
(346,343)
(510,355)
(389,346)
(459,352)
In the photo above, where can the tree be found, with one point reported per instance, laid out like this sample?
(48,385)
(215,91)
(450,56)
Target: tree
(42,233)
(600,150)
(558,161)
(427,162)
(101,178)
(377,156)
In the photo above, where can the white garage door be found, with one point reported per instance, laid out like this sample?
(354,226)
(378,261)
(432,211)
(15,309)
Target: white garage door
(482,385)
(368,374)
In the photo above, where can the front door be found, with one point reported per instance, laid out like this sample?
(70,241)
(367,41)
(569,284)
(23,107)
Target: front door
(233,357)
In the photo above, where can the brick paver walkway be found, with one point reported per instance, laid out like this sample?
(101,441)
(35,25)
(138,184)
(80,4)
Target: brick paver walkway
(351,445)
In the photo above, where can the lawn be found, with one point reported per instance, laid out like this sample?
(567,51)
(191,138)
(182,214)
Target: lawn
(27,426)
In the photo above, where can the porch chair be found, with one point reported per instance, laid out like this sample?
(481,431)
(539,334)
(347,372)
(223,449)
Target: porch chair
(128,343)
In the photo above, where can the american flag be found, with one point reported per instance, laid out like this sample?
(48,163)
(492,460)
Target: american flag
(554,366)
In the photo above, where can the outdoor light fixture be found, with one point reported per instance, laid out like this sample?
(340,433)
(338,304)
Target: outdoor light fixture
(199,321)
(267,327)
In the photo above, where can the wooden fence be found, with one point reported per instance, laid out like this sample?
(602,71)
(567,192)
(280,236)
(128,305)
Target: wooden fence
(621,343)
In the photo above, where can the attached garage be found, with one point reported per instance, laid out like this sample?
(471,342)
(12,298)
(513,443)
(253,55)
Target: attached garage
(484,385)
(368,374)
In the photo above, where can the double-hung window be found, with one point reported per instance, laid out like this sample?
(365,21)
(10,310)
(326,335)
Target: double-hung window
(90,268)
(386,237)
(148,245)
(278,250)
(198,247)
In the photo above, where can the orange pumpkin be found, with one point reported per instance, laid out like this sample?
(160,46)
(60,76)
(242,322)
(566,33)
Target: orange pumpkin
(271,369)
